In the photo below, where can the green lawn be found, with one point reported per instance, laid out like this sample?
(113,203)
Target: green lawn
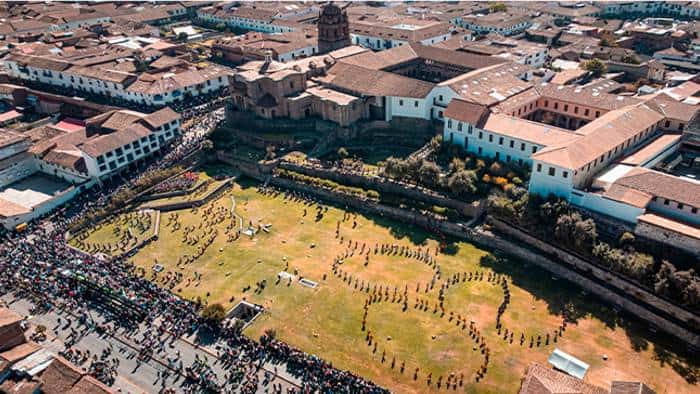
(110,237)
(327,321)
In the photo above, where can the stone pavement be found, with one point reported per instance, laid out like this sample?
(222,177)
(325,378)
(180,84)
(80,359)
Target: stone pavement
(160,371)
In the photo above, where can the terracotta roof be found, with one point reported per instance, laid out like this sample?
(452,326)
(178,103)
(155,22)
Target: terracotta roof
(38,62)
(166,62)
(663,186)
(599,136)
(387,29)
(102,74)
(8,209)
(542,380)
(630,388)
(8,317)
(20,351)
(359,80)
(522,129)
(649,151)
(161,117)
(673,109)
(670,224)
(415,51)
(89,385)
(592,96)
(60,376)
(22,386)
(104,143)
(9,137)
(43,133)
(66,159)
(120,119)
(490,85)
(627,195)
(465,111)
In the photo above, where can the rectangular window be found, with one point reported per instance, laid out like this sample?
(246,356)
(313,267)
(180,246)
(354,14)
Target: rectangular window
(546,103)
(100,159)
(597,114)
(680,206)
(534,149)
(565,174)
(459,126)
(401,103)
(552,171)
(415,103)
(575,110)
(449,123)
(694,210)
(566,107)
(666,202)
(586,112)
(481,135)
(480,150)
(490,137)
(522,146)
(667,124)
(500,140)
(539,167)
(512,143)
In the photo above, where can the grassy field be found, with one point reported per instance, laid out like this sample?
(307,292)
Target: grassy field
(117,234)
(305,240)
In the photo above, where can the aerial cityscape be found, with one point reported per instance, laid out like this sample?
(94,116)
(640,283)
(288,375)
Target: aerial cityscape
(350,197)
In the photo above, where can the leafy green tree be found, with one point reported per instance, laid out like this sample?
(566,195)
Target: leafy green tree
(595,67)
(498,7)
(343,153)
(462,183)
(182,36)
(214,313)
(626,240)
(429,173)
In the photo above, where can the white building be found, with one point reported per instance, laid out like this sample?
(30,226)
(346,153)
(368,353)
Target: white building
(502,23)
(380,34)
(147,89)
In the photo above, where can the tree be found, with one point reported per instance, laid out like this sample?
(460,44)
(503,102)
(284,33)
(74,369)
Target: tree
(595,67)
(214,313)
(498,7)
(630,59)
(456,165)
(395,168)
(429,173)
(626,240)
(207,145)
(462,183)
(436,143)
(220,26)
(343,153)
(182,36)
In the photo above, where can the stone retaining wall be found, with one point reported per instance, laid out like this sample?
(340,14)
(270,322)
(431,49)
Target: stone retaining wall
(165,207)
(385,185)
(618,284)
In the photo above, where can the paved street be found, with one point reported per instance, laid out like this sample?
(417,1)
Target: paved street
(152,375)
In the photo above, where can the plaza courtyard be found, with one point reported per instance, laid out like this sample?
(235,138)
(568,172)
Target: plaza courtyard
(387,300)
